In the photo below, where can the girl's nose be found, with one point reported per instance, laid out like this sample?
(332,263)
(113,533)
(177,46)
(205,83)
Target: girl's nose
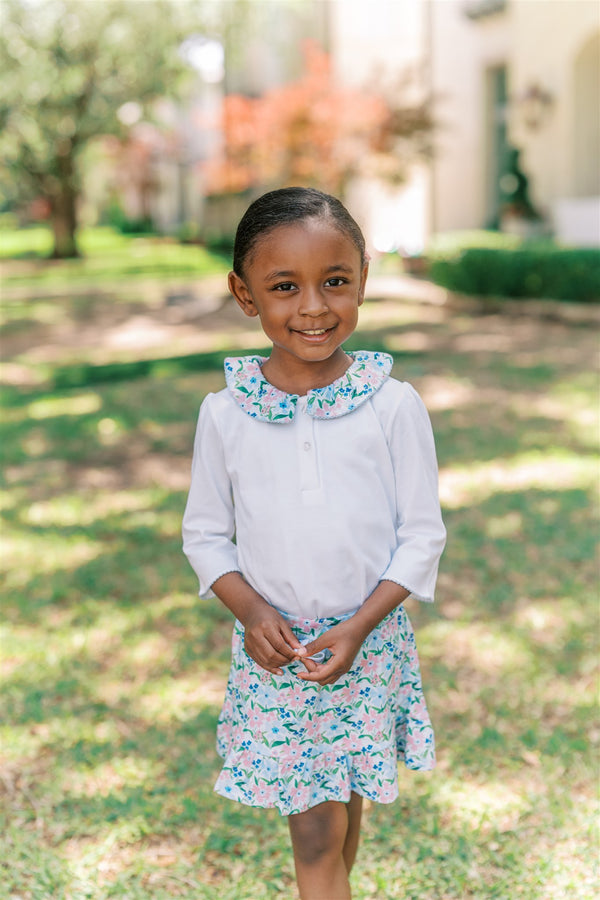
(312,303)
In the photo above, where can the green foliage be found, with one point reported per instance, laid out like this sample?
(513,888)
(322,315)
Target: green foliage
(450,244)
(118,220)
(67,68)
(219,243)
(533,270)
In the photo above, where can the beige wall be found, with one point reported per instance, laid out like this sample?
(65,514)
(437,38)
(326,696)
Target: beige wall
(551,43)
(547,38)
(373,42)
(387,36)
(370,38)
(463,52)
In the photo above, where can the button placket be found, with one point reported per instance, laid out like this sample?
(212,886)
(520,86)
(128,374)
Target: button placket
(309,468)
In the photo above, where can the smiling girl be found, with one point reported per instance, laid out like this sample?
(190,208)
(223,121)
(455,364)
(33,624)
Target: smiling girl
(323,468)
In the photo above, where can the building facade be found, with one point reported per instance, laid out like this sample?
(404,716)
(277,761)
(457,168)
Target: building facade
(502,75)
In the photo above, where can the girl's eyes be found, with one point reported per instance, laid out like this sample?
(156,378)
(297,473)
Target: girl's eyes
(285,286)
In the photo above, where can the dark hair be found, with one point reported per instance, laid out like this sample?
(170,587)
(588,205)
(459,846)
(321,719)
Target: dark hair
(288,206)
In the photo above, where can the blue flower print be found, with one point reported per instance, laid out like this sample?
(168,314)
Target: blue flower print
(261,400)
(284,750)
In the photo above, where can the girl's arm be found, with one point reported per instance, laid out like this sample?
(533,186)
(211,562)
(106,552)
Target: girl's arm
(208,521)
(385,598)
(420,532)
(208,531)
(269,640)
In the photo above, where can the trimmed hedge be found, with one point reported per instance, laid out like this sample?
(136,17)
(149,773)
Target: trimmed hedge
(536,271)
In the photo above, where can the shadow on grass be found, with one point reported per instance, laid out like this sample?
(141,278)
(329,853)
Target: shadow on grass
(114,668)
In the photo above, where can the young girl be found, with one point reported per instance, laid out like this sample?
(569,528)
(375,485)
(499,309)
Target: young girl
(324,469)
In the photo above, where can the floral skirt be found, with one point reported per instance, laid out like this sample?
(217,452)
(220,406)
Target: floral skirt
(292,744)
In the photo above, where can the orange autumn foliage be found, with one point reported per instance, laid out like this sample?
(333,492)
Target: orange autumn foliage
(311,131)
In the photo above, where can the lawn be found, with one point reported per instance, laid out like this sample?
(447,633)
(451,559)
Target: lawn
(105,255)
(113,671)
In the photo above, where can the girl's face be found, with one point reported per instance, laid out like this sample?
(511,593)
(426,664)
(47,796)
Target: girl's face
(306,282)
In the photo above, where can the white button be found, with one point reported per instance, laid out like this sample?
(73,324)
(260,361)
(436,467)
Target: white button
(307,445)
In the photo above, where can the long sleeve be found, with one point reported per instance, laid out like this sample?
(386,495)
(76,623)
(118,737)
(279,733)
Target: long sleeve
(421,535)
(208,521)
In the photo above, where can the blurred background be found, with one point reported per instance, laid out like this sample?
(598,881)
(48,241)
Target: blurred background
(464,136)
(428,117)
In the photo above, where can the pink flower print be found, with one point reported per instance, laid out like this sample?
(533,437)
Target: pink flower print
(296,699)
(419,711)
(353,691)
(257,397)
(244,681)
(325,743)
(388,794)
(312,730)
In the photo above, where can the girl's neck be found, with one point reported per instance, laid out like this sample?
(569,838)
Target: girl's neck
(295,376)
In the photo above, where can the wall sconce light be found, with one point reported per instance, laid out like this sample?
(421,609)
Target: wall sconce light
(533,105)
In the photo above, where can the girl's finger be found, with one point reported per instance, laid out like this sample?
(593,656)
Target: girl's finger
(320,643)
(322,673)
(279,645)
(267,666)
(266,655)
(309,664)
(291,639)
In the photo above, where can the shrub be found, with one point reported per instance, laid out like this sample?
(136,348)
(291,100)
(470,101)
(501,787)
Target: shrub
(220,243)
(116,217)
(535,270)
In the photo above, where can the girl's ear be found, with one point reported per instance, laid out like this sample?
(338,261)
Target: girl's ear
(240,291)
(363,282)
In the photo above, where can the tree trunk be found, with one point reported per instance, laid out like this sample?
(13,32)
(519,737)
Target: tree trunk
(63,210)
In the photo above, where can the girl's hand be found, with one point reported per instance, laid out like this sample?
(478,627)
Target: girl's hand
(270,641)
(343,641)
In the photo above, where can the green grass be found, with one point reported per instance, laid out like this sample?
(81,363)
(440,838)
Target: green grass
(107,256)
(117,277)
(113,670)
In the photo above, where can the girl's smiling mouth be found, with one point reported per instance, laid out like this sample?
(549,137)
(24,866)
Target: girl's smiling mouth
(313,332)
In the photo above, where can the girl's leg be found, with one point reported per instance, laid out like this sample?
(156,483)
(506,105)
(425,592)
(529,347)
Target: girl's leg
(354,808)
(325,840)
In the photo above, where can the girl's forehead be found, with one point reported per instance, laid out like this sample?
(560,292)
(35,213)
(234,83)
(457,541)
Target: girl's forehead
(307,236)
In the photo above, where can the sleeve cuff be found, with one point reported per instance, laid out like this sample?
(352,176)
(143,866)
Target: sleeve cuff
(208,593)
(421,588)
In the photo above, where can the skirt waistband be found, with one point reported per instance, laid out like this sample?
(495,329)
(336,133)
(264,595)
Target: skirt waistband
(310,624)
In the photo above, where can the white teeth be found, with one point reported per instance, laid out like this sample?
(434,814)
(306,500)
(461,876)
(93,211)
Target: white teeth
(316,331)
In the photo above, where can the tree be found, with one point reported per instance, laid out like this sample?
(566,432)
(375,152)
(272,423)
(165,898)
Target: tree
(68,68)
(315,131)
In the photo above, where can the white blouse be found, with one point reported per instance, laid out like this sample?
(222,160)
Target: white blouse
(325,495)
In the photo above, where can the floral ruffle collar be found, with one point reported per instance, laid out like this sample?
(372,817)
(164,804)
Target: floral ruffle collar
(261,400)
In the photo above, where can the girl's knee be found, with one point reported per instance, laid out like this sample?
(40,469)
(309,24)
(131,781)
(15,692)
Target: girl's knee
(319,832)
